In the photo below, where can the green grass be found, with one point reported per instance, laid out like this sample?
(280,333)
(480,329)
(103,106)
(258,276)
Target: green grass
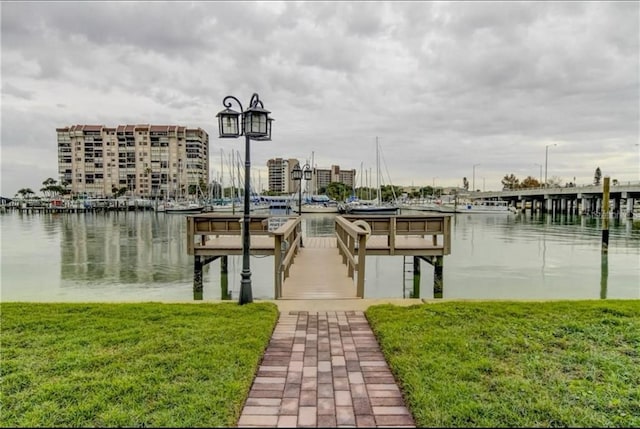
(131,365)
(460,364)
(504,364)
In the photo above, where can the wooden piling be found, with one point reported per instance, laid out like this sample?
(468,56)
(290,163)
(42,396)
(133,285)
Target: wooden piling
(605,215)
(438,262)
(604,274)
(416,278)
(197,278)
(224,278)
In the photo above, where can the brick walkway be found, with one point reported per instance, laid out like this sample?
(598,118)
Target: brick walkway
(324,370)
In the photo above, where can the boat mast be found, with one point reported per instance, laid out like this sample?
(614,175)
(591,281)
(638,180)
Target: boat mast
(313,184)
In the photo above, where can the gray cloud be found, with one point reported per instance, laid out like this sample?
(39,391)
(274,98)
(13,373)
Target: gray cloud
(445,85)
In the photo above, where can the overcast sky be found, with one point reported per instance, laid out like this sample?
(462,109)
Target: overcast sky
(445,86)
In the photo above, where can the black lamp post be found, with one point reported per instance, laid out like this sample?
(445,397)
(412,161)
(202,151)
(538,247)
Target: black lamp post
(297,174)
(255,125)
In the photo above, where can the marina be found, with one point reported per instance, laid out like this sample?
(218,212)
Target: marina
(143,256)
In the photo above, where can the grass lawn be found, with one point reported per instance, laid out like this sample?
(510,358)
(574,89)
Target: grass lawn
(505,364)
(131,365)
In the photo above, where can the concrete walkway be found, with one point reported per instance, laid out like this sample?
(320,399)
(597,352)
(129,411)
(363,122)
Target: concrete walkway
(324,368)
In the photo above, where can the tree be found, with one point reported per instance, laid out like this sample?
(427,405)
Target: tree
(510,182)
(118,192)
(50,187)
(465,183)
(530,182)
(25,192)
(597,176)
(554,182)
(338,191)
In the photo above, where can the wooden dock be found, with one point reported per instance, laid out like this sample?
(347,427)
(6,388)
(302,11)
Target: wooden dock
(320,267)
(318,272)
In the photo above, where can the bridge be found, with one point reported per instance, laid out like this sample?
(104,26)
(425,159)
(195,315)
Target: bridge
(570,200)
(320,267)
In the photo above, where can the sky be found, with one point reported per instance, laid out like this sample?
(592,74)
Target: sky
(448,89)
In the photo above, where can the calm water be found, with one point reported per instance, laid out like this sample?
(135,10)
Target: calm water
(143,257)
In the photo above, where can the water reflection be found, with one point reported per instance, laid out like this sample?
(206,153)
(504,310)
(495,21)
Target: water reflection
(604,275)
(143,256)
(318,225)
(124,248)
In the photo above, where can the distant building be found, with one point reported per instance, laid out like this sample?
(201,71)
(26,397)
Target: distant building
(323,176)
(147,160)
(280,176)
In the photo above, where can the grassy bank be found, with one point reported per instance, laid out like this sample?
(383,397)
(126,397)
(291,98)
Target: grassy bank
(460,364)
(498,364)
(131,365)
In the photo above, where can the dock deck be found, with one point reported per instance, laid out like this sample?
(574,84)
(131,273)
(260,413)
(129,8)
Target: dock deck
(318,272)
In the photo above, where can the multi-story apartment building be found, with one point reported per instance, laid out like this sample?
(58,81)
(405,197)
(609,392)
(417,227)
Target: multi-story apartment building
(280,176)
(323,176)
(148,160)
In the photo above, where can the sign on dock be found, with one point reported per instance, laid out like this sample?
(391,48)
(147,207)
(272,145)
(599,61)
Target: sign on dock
(276,222)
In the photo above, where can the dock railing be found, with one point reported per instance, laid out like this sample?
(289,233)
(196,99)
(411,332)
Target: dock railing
(287,240)
(210,236)
(424,236)
(349,234)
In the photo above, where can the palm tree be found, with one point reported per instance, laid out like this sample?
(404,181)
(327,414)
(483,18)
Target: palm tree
(25,192)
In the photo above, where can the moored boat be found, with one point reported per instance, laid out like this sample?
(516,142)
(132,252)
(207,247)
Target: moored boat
(485,206)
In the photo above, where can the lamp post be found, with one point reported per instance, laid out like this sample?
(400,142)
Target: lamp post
(255,124)
(546,160)
(539,165)
(297,174)
(474,177)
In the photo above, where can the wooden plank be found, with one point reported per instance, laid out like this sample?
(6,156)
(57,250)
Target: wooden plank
(318,273)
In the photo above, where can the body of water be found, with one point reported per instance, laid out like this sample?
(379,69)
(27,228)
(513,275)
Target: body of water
(142,256)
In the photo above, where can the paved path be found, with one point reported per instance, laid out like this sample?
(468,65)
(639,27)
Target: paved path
(324,369)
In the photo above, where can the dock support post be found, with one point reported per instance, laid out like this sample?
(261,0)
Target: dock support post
(362,254)
(277,266)
(604,274)
(197,278)
(437,276)
(224,278)
(605,215)
(416,278)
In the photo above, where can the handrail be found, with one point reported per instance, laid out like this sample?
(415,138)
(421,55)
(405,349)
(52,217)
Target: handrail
(352,233)
(287,237)
(287,240)
(347,235)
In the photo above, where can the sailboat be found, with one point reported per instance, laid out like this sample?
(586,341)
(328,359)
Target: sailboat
(372,207)
(181,205)
(318,203)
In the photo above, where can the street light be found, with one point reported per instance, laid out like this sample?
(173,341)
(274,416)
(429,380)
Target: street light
(539,165)
(474,177)
(297,174)
(546,159)
(255,125)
